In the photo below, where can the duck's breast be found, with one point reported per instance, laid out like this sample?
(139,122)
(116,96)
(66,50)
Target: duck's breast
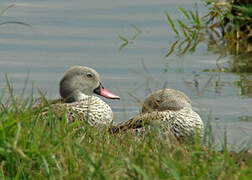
(184,123)
(93,110)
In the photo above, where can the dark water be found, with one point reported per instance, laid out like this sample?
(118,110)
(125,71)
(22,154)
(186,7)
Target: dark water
(68,33)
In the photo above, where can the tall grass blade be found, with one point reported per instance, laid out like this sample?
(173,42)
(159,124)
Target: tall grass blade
(137,33)
(172,24)
(25,86)
(245,10)
(10,91)
(196,42)
(140,171)
(174,173)
(16,22)
(45,164)
(225,142)
(171,49)
(123,38)
(197,14)
(20,169)
(189,43)
(2,105)
(31,97)
(181,44)
(5,9)
(88,158)
(193,17)
(184,28)
(184,12)
(123,45)
(17,135)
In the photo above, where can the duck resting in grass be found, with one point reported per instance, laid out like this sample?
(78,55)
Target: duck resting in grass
(77,88)
(171,111)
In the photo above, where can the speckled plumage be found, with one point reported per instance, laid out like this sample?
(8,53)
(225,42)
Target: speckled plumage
(179,122)
(76,89)
(92,110)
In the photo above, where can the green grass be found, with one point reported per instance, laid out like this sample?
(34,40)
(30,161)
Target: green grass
(36,147)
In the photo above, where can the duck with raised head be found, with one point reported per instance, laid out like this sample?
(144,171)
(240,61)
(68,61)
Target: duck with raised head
(171,110)
(76,88)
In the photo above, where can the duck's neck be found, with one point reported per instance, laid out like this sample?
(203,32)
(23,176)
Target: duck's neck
(76,96)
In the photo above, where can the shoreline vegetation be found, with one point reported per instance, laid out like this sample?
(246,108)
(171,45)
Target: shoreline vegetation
(226,28)
(226,24)
(35,146)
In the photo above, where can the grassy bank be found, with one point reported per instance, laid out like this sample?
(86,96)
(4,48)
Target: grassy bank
(37,147)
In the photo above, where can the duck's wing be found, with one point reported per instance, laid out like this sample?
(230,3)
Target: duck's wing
(181,124)
(137,122)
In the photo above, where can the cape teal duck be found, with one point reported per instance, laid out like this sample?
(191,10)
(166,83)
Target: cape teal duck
(76,88)
(171,110)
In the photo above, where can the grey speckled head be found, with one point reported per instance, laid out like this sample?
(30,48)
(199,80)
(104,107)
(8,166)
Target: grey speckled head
(78,80)
(166,99)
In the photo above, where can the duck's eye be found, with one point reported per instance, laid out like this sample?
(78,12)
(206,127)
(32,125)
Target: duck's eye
(89,75)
